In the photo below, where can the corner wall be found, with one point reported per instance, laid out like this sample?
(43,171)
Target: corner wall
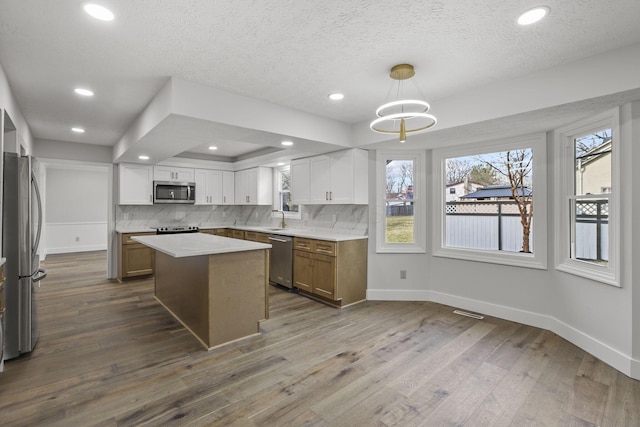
(595,316)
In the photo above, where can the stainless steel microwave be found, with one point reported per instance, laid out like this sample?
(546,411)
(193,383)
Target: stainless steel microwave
(174,192)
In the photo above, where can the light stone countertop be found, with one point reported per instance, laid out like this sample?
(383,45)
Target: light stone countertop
(293,232)
(196,244)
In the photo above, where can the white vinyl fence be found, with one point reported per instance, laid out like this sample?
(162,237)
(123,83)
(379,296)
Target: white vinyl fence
(495,225)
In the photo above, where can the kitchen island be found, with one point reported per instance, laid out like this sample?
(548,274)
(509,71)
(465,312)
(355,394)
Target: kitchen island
(215,286)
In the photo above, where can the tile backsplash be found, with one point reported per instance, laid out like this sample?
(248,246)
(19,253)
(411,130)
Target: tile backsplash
(346,219)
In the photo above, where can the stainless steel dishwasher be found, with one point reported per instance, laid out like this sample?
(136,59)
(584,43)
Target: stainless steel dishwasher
(281,270)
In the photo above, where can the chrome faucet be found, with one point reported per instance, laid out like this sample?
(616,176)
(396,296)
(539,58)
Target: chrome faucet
(282,223)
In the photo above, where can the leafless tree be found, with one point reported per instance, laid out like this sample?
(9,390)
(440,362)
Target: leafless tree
(400,178)
(591,141)
(457,170)
(517,167)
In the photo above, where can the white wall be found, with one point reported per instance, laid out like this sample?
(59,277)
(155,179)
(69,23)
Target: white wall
(76,208)
(595,316)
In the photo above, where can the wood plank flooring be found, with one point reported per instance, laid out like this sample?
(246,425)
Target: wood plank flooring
(109,355)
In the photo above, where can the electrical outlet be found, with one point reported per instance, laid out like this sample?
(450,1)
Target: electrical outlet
(77,239)
(403,274)
(126,215)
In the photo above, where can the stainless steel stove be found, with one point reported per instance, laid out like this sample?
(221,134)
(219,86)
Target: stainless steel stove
(176,229)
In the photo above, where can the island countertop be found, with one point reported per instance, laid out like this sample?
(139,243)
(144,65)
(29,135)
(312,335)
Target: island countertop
(196,244)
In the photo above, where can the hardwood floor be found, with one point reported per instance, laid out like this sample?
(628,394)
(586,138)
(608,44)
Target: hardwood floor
(108,354)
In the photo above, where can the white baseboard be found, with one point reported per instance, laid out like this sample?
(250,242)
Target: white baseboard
(602,351)
(73,249)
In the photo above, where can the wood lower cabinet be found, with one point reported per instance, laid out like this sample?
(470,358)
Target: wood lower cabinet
(332,272)
(215,231)
(256,236)
(136,259)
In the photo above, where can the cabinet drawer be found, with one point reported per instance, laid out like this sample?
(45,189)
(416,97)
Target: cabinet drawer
(303,244)
(325,248)
(262,238)
(126,238)
(317,246)
(250,235)
(236,234)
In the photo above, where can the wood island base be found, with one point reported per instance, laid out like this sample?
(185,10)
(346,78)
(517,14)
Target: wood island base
(219,298)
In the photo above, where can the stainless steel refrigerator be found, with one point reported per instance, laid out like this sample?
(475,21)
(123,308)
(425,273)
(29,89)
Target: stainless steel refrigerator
(21,230)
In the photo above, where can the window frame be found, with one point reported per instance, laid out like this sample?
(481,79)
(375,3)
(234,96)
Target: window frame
(277,188)
(419,201)
(536,260)
(565,171)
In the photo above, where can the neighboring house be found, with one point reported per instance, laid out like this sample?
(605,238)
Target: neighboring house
(495,192)
(593,170)
(458,189)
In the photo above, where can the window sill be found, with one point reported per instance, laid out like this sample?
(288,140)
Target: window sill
(493,257)
(404,249)
(589,271)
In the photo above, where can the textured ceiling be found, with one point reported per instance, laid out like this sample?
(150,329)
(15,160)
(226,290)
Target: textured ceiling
(291,53)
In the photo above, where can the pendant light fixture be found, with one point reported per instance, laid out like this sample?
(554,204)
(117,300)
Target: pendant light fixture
(403,115)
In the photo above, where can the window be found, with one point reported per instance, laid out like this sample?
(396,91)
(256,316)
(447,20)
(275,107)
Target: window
(452,190)
(400,212)
(491,217)
(587,203)
(282,193)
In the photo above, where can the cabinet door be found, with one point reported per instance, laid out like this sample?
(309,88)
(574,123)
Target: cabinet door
(136,182)
(172,173)
(241,188)
(214,187)
(252,186)
(137,260)
(162,173)
(228,188)
(183,174)
(202,194)
(264,186)
(300,181)
(341,187)
(319,179)
(325,276)
(303,271)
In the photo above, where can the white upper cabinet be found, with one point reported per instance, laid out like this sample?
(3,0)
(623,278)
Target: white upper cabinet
(338,178)
(254,186)
(136,184)
(172,173)
(300,181)
(208,187)
(228,188)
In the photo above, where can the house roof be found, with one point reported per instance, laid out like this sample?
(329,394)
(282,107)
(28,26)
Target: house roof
(494,191)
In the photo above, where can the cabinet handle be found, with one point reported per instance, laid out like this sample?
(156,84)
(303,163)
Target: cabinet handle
(326,195)
(330,195)
(151,198)
(224,199)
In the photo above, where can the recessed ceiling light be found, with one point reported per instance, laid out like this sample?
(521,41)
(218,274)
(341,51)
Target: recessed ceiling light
(213,147)
(280,164)
(534,15)
(99,12)
(77,130)
(286,143)
(83,92)
(336,96)
(143,157)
